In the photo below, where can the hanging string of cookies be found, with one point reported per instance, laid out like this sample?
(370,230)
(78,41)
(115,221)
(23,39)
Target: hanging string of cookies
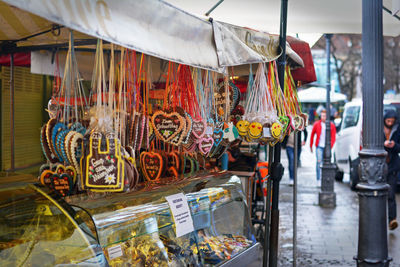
(112,137)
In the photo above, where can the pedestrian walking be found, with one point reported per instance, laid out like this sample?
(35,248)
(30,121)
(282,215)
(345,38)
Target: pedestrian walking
(392,146)
(288,144)
(319,130)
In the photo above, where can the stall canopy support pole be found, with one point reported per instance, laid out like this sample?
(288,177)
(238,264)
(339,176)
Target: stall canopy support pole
(214,7)
(373,189)
(277,168)
(268,208)
(296,159)
(12,125)
(327,196)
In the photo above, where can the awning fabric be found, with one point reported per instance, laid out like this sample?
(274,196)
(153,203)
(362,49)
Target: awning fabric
(307,73)
(236,45)
(304,16)
(20,60)
(152,27)
(318,95)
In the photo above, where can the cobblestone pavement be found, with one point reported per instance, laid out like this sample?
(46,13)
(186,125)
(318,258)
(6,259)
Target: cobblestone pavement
(325,237)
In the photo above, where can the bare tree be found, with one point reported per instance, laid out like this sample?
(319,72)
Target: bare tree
(347,55)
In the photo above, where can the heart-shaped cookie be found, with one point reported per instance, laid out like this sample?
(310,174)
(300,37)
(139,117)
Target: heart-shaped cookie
(305,118)
(218,134)
(190,146)
(152,165)
(205,145)
(45,177)
(285,123)
(63,183)
(167,125)
(298,122)
(198,128)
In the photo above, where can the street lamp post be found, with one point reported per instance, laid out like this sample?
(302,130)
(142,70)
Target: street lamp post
(372,194)
(327,197)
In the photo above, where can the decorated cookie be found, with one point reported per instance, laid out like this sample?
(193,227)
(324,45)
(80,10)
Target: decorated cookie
(276,130)
(152,165)
(167,125)
(242,127)
(255,130)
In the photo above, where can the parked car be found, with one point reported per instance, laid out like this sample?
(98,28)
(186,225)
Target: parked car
(349,139)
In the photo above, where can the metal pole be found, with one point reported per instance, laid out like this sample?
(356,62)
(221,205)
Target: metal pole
(296,149)
(268,208)
(214,7)
(277,168)
(12,124)
(327,197)
(372,194)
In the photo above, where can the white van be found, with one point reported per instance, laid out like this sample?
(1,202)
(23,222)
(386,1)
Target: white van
(348,139)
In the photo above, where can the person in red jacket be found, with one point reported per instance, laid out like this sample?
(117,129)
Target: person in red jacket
(319,129)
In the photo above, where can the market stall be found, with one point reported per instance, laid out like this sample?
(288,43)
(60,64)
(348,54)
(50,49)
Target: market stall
(131,176)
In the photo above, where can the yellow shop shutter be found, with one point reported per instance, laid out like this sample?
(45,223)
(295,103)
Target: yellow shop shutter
(28,110)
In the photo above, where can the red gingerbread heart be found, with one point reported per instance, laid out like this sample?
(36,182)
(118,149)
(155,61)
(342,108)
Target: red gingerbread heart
(152,165)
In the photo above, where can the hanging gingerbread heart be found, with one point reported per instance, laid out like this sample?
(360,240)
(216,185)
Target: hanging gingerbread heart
(189,128)
(198,128)
(205,145)
(45,177)
(173,164)
(49,130)
(167,125)
(284,120)
(305,118)
(218,135)
(45,146)
(63,184)
(190,146)
(152,165)
(298,122)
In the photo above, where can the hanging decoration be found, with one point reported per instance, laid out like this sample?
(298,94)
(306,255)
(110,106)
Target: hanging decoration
(119,139)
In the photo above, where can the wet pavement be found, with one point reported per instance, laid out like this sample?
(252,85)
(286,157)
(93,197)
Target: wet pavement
(325,236)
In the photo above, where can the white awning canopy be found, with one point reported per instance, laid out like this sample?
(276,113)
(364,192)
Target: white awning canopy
(304,16)
(318,95)
(152,27)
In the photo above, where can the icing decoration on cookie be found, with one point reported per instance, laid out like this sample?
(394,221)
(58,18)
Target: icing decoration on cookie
(218,135)
(276,130)
(198,128)
(230,132)
(167,125)
(63,184)
(152,165)
(103,168)
(242,127)
(255,130)
(205,145)
(45,146)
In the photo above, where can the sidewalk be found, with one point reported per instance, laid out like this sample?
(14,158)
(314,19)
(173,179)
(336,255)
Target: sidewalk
(325,237)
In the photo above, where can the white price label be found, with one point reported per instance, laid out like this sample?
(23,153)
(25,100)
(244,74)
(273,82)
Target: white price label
(181,213)
(114,252)
(266,132)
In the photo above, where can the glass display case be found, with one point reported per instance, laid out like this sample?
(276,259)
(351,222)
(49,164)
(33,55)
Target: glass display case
(39,228)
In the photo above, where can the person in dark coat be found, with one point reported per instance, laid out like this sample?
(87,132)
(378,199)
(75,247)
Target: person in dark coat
(288,144)
(392,146)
